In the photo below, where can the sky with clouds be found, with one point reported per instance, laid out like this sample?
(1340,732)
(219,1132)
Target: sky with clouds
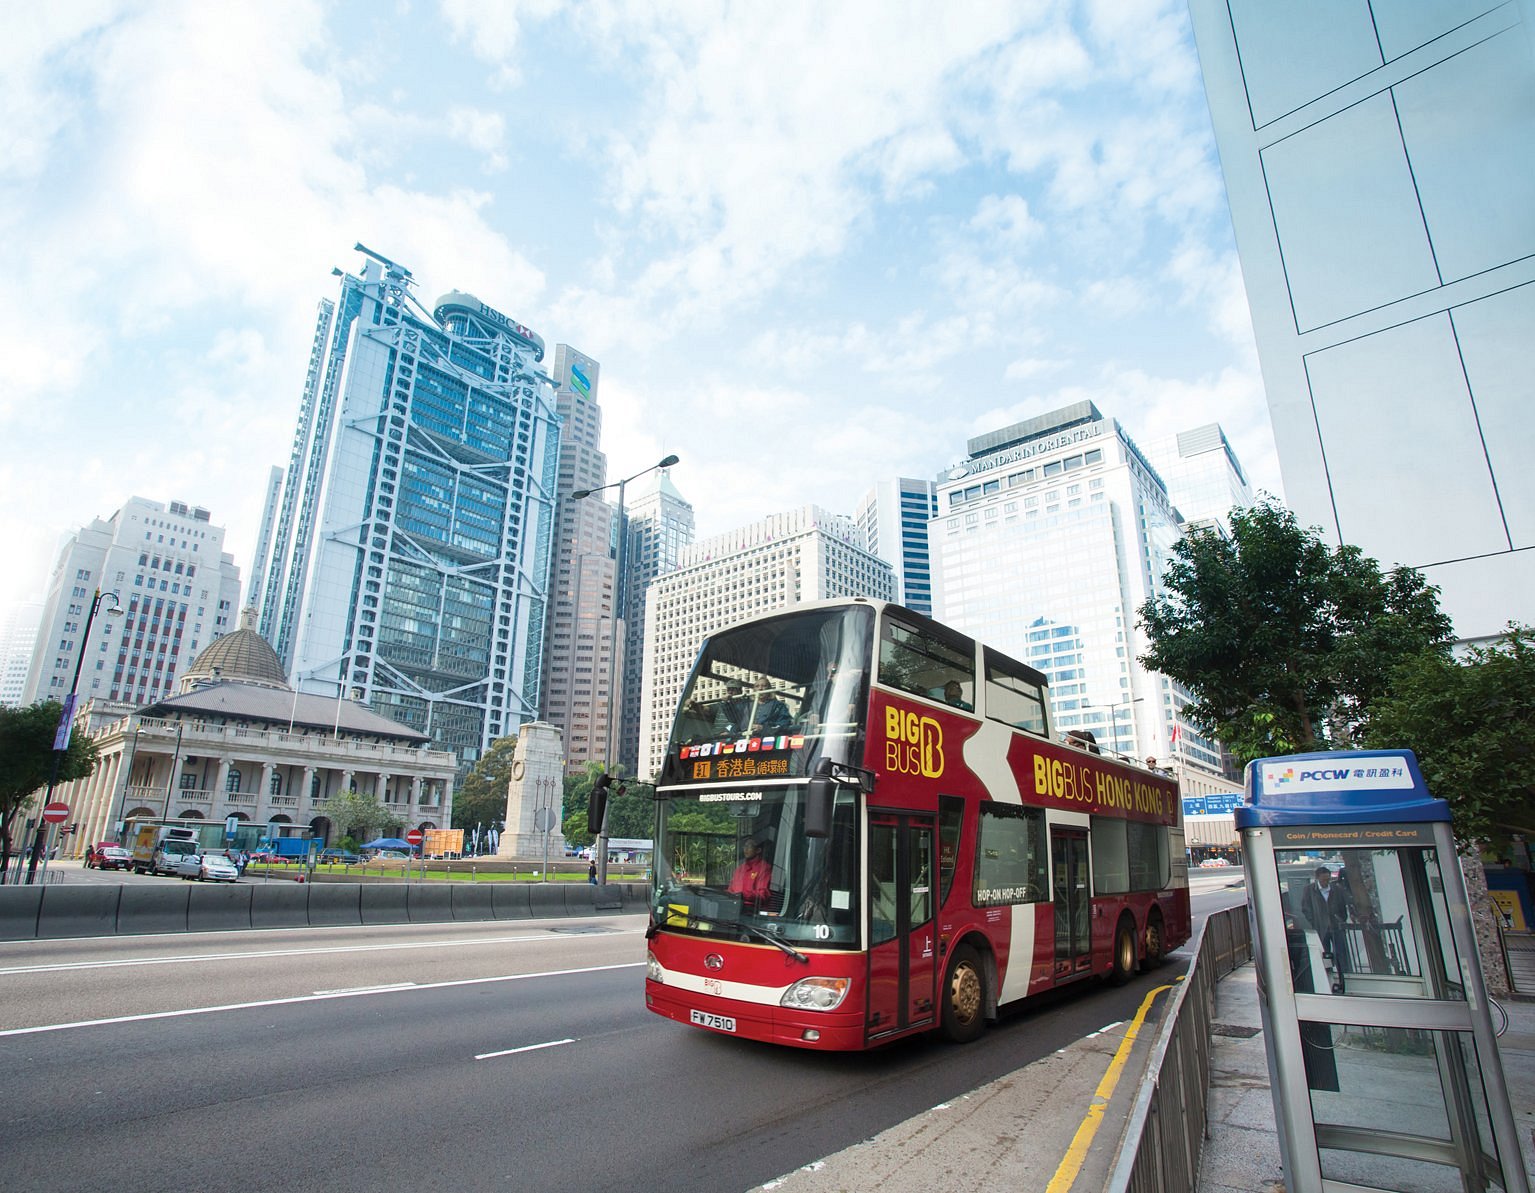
(812,245)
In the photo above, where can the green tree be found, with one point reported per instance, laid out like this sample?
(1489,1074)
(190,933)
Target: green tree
(1471,722)
(632,814)
(481,797)
(356,815)
(1284,643)
(27,758)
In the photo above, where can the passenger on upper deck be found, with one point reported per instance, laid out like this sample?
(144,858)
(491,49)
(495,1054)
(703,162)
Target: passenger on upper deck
(954,694)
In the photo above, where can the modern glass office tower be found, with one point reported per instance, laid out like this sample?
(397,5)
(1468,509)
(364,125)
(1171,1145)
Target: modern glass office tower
(1050,535)
(893,516)
(1204,478)
(1380,165)
(805,554)
(410,556)
(579,633)
(176,586)
(660,526)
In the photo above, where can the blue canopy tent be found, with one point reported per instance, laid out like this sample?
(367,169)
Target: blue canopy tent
(390,843)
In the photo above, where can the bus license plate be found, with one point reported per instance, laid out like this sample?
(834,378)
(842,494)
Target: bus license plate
(717,1022)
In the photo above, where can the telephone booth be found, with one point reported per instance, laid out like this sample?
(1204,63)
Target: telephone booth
(1385,1069)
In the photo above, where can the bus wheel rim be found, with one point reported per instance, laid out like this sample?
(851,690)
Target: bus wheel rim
(965,993)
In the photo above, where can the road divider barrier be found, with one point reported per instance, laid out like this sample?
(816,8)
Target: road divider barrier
(429,903)
(158,908)
(278,905)
(219,908)
(77,910)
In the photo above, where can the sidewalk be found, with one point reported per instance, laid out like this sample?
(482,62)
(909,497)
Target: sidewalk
(1241,1154)
(1013,1134)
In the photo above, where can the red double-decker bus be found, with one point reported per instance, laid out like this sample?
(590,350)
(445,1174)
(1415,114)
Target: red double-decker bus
(867,830)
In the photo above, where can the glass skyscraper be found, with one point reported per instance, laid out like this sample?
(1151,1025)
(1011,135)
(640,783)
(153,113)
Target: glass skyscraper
(893,516)
(410,547)
(1380,164)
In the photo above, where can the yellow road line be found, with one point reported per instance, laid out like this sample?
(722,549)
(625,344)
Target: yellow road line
(1076,1154)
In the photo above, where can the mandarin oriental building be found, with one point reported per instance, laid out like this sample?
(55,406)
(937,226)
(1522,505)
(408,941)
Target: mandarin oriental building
(1049,537)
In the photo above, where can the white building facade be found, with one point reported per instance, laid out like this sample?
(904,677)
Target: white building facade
(1049,538)
(1380,164)
(807,554)
(177,589)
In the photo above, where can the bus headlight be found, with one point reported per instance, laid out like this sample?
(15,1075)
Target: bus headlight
(816,994)
(653,969)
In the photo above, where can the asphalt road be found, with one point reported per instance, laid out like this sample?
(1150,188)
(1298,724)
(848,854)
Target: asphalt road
(456,1057)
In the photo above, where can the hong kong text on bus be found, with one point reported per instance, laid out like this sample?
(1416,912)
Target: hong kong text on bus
(867,829)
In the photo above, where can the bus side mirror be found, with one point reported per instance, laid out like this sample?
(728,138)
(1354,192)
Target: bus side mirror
(818,801)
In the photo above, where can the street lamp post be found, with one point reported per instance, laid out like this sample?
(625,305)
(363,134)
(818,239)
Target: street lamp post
(615,683)
(67,720)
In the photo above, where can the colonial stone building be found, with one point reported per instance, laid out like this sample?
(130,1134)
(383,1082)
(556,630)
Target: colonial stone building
(239,741)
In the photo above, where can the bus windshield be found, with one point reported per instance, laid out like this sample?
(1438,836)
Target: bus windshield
(737,863)
(768,699)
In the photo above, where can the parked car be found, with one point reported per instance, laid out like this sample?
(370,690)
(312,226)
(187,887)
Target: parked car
(390,855)
(108,855)
(214,867)
(1213,863)
(340,857)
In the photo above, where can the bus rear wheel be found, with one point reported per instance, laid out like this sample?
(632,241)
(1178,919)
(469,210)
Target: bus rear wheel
(964,997)
(1154,946)
(1124,952)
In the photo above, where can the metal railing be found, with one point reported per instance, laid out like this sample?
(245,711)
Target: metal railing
(1159,1151)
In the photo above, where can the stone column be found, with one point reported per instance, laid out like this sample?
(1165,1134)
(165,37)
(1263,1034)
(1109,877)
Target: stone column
(537,782)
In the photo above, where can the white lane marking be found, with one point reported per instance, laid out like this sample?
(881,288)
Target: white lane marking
(524,1048)
(67,966)
(283,1002)
(369,989)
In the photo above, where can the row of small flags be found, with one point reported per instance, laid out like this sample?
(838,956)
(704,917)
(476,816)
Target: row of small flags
(744,745)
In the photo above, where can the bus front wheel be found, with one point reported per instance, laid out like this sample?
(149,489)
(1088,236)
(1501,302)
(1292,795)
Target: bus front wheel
(964,997)
(1124,952)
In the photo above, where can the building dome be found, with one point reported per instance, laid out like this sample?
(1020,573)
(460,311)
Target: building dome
(241,657)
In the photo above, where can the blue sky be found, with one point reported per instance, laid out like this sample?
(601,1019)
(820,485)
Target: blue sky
(812,245)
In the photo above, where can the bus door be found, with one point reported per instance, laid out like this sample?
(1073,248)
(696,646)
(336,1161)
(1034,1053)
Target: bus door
(901,873)
(1070,894)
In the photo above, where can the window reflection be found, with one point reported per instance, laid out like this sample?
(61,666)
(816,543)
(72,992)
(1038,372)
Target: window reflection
(1368,923)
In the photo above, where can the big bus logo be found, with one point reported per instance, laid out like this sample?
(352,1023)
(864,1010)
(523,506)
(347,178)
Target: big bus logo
(913,744)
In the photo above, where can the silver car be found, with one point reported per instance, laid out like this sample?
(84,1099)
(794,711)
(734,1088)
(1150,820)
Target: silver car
(212,866)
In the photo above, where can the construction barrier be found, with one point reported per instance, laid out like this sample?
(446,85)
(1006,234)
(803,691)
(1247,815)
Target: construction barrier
(547,900)
(509,901)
